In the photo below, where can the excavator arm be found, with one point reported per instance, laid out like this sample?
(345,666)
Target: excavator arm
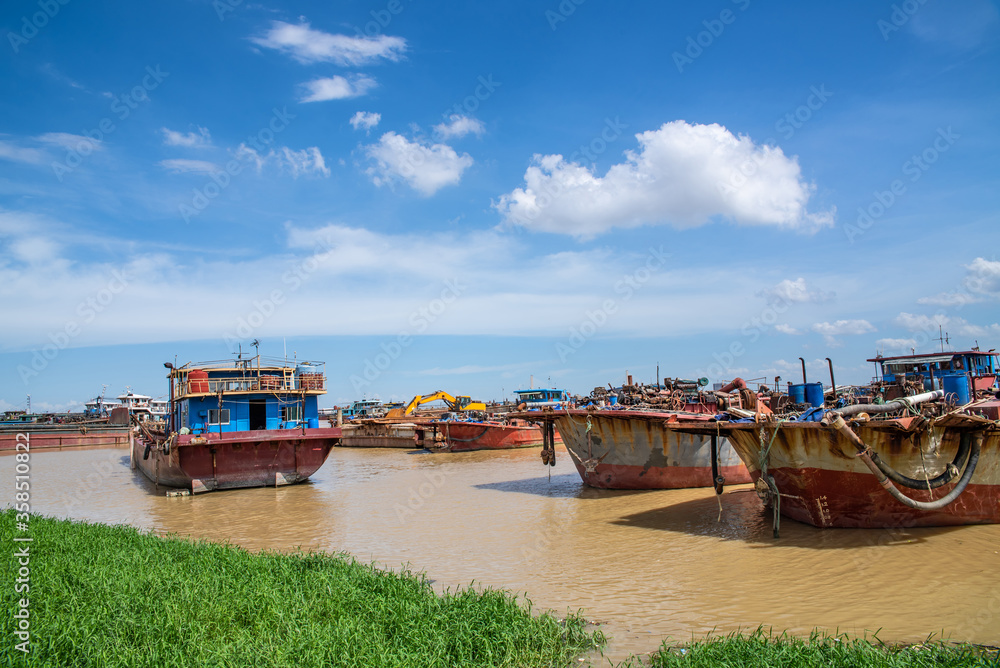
(454,403)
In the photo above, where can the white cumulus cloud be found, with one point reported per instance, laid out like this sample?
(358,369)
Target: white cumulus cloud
(306,45)
(424,167)
(458,126)
(984,276)
(682,175)
(365,120)
(337,88)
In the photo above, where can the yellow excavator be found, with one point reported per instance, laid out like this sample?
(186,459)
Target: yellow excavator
(456,404)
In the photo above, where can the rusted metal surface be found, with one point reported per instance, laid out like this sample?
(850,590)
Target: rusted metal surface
(457,436)
(45,437)
(379,434)
(232,460)
(822,482)
(642,450)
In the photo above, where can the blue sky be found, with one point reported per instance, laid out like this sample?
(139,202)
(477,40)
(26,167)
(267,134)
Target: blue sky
(426,195)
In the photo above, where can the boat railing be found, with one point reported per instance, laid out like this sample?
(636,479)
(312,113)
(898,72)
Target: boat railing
(306,382)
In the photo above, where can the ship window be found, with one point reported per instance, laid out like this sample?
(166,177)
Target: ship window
(213,416)
(291,413)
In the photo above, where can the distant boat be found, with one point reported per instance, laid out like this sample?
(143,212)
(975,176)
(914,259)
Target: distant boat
(237,424)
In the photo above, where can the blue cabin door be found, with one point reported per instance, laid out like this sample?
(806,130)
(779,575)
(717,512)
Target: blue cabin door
(258,414)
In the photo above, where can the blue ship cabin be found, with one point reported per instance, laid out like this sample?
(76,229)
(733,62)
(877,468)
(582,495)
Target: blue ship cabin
(937,369)
(541,397)
(245,395)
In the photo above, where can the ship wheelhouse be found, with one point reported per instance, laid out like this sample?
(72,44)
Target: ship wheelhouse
(248,395)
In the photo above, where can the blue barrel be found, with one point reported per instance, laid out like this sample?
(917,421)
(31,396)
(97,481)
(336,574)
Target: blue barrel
(313,423)
(956,384)
(814,394)
(797,393)
(613,399)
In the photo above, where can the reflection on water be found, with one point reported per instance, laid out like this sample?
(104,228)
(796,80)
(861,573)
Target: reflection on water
(646,564)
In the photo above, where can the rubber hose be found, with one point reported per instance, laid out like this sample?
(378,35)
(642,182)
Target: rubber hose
(949,474)
(937,504)
(145,455)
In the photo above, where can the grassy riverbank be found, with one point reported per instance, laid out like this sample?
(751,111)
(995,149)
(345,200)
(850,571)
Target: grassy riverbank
(112,596)
(762,649)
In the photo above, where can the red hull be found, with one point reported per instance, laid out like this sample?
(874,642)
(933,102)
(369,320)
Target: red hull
(642,450)
(263,458)
(43,438)
(621,476)
(822,481)
(855,500)
(467,436)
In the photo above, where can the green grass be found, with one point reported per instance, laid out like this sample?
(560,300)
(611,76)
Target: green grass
(763,649)
(112,596)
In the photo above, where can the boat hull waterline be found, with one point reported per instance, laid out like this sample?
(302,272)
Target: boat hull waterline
(232,460)
(638,450)
(823,482)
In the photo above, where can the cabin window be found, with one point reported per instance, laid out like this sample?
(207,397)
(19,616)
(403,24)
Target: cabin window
(291,413)
(213,416)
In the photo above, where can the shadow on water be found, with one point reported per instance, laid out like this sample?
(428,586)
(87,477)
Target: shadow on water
(562,485)
(744,519)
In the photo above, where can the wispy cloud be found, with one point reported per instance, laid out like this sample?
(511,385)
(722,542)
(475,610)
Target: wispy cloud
(305,162)
(458,126)
(306,45)
(832,330)
(795,292)
(337,88)
(181,166)
(201,139)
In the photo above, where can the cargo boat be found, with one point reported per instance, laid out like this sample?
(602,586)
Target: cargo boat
(97,434)
(619,449)
(916,460)
(248,423)
(463,435)
(640,448)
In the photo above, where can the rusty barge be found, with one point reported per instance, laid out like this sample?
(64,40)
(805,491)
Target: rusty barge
(926,459)
(639,447)
(232,425)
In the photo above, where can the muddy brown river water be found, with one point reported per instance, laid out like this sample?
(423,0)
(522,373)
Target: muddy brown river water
(646,565)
